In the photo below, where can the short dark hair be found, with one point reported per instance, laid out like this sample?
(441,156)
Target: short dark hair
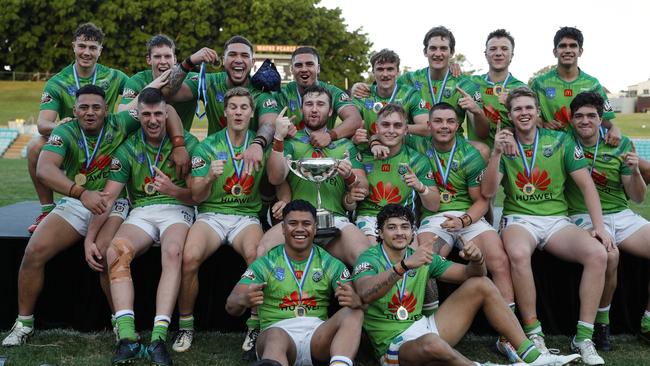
(391,108)
(150,96)
(90,89)
(501,33)
(384,56)
(160,40)
(90,32)
(590,99)
(568,32)
(305,50)
(238,91)
(299,205)
(318,90)
(521,91)
(443,33)
(238,39)
(442,106)
(393,210)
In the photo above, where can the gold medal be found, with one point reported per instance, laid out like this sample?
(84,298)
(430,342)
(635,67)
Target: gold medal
(445,197)
(237,190)
(498,90)
(300,311)
(529,189)
(402,313)
(149,188)
(80,179)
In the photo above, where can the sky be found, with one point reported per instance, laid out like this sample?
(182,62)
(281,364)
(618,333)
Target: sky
(616,47)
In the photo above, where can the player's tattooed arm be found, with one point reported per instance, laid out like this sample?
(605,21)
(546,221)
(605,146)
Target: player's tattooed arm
(371,288)
(175,81)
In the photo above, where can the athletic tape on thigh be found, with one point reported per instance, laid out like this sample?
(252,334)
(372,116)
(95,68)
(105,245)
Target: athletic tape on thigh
(120,269)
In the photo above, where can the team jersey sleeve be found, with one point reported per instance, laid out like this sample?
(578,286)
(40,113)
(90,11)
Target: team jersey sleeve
(438,266)
(191,142)
(192,81)
(288,149)
(416,104)
(341,99)
(57,142)
(574,157)
(120,164)
(50,99)
(200,161)
(255,273)
(608,111)
(266,103)
(123,78)
(354,153)
(423,170)
(128,120)
(473,89)
(404,79)
(626,146)
(340,273)
(367,265)
(414,142)
(475,167)
(131,90)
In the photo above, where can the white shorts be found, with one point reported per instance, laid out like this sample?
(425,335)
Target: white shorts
(431,224)
(78,216)
(155,219)
(300,330)
(367,225)
(426,325)
(227,226)
(540,227)
(620,225)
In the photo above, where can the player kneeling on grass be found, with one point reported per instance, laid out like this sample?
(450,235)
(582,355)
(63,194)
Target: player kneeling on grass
(391,277)
(292,286)
(616,174)
(162,212)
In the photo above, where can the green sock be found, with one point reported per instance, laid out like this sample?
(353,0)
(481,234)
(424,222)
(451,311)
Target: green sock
(527,351)
(602,316)
(160,326)
(584,331)
(125,320)
(645,322)
(186,322)
(253,321)
(26,320)
(534,327)
(47,208)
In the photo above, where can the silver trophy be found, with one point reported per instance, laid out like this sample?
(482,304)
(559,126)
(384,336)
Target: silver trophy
(317,170)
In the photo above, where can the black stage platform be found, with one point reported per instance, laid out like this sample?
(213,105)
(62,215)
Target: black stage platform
(72,297)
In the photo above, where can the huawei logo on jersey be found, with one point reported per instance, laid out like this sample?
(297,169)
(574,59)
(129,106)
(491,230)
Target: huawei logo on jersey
(540,180)
(562,116)
(599,178)
(239,186)
(490,113)
(99,163)
(290,302)
(449,188)
(384,193)
(408,301)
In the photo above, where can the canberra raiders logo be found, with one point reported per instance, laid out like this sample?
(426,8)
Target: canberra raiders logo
(116,165)
(55,140)
(197,162)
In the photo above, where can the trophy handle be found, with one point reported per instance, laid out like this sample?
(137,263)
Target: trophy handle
(293,166)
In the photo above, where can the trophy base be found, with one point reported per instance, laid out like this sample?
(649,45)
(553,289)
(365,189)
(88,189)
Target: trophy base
(325,222)
(327,234)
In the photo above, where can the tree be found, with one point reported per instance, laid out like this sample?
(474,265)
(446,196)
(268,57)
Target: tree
(541,71)
(44,42)
(466,66)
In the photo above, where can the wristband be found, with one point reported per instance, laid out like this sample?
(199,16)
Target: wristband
(178,141)
(189,62)
(76,191)
(374,143)
(262,141)
(345,200)
(350,179)
(424,191)
(404,266)
(257,142)
(278,145)
(464,218)
(183,67)
(397,271)
(333,135)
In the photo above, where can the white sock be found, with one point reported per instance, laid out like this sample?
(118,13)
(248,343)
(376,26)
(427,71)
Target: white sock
(340,361)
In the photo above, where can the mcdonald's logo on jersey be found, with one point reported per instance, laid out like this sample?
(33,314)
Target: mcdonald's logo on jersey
(489,91)
(568,92)
(385,167)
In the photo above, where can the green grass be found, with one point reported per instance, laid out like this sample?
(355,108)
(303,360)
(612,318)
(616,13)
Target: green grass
(19,99)
(62,347)
(15,182)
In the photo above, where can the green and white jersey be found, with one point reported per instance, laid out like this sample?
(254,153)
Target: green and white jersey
(130,165)
(493,109)
(386,179)
(230,195)
(430,90)
(404,95)
(60,90)
(282,295)
(331,190)
(606,174)
(217,88)
(139,81)
(67,141)
(290,98)
(557,156)
(380,321)
(466,171)
(555,95)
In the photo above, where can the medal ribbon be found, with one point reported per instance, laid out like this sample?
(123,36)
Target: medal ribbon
(529,169)
(202,93)
(505,82)
(76,76)
(593,161)
(389,265)
(238,164)
(445,173)
(305,272)
(90,158)
(435,100)
(157,158)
